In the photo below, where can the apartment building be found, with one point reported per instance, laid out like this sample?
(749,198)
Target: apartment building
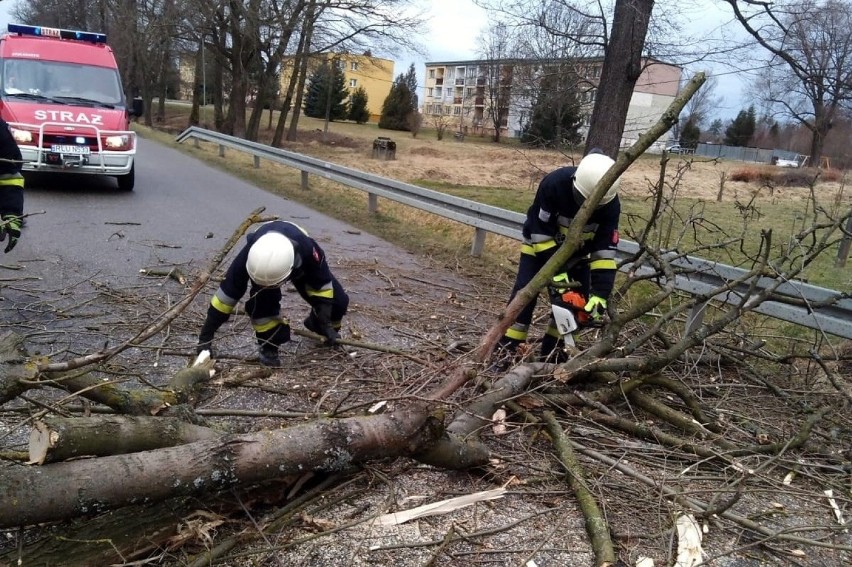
(374,74)
(462,94)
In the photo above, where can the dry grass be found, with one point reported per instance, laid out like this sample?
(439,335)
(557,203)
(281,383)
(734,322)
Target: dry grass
(506,175)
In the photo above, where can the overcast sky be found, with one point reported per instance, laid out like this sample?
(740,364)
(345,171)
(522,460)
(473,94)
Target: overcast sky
(454,26)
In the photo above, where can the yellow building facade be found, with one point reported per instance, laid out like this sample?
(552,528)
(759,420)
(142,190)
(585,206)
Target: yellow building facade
(373,74)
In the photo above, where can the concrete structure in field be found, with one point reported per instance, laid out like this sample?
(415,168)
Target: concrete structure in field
(461,93)
(374,74)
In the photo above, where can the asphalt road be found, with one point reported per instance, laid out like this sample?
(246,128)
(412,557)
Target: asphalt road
(91,229)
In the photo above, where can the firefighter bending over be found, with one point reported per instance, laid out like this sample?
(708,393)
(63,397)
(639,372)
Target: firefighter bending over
(11,188)
(276,253)
(557,200)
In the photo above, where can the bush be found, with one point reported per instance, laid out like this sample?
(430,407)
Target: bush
(783,177)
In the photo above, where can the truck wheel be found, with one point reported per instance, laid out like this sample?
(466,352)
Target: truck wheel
(128,180)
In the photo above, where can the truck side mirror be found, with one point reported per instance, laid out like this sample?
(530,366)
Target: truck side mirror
(137,107)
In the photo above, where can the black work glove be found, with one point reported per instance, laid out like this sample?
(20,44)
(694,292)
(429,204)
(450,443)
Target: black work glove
(331,335)
(322,314)
(10,225)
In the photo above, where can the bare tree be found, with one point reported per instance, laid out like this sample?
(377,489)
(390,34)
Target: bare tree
(809,74)
(497,70)
(701,107)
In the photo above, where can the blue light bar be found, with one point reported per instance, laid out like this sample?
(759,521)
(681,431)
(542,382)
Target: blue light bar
(58,33)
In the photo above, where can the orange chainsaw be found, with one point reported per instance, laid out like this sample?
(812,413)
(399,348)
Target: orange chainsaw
(567,306)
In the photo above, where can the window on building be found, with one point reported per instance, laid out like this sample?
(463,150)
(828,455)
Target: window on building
(353,66)
(429,91)
(457,110)
(431,73)
(353,83)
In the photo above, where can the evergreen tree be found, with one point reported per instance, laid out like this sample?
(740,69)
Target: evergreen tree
(397,107)
(715,129)
(411,83)
(358,106)
(741,130)
(555,115)
(317,98)
(690,134)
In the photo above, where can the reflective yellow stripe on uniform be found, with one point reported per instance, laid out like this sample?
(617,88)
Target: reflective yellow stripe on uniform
(13,182)
(261,325)
(219,305)
(606,264)
(535,248)
(325,293)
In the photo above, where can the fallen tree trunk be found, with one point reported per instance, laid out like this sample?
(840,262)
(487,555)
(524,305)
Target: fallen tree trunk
(65,490)
(62,438)
(460,448)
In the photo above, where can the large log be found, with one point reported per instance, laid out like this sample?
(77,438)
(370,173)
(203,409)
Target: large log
(69,489)
(459,447)
(61,438)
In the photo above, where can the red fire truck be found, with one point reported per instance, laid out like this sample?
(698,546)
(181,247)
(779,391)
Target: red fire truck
(61,93)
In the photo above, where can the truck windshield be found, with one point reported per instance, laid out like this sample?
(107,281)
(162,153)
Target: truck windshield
(56,80)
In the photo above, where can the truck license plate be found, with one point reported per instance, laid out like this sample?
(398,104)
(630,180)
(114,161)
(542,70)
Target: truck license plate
(67,149)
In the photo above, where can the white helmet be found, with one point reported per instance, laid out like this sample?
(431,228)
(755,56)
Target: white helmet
(270,259)
(591,169)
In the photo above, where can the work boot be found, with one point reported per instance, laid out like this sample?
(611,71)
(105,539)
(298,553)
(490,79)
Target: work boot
(553,350)
(268,355)
(506,354)
(313,325)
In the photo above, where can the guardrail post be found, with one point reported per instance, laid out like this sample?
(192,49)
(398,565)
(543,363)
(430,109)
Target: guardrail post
(221,150)
(372,203)
(196,142)
(257,162)
(305,180)
(478,242)
(845,244)
(695,318)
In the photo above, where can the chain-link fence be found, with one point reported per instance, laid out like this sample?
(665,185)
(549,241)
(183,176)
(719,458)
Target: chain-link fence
(755,155)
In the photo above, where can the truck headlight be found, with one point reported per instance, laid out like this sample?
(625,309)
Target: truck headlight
(22,136)
(117,142)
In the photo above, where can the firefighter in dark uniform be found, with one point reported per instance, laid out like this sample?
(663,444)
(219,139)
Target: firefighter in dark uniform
(11,188)
(274,254)
(559,196)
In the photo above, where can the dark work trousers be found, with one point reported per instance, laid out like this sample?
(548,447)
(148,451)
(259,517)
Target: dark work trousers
(528,267)
(265,303)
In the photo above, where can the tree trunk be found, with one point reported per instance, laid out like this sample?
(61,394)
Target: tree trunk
(303,70)
(62,438)
(65,490)
(182,388)
(822,123)
(197,85)
(621,68)
(459,447)
(111,538)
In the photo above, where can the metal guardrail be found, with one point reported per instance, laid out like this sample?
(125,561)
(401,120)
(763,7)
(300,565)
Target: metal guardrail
(803,304)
